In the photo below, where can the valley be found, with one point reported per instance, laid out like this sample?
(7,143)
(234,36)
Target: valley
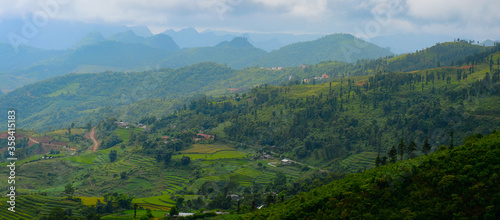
(255,143)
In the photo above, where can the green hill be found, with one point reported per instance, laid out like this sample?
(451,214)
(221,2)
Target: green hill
(328,127)
(116,54)
(456,183)
(91,38)
(80,98)
(238,53)
(128,52)
(160,41)
(91,97)
(335,47)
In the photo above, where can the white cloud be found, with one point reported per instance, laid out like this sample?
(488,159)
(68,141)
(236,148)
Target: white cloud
(320,16)
(455,10)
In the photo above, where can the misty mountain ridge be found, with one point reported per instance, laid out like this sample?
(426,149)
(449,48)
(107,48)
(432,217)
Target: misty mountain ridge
(128,51)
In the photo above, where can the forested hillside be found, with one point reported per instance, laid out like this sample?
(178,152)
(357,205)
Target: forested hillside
(237,53)
(130,52)
(324,124)
(335,47)
(458,182)
(164,145)
(80,98)
(92,97)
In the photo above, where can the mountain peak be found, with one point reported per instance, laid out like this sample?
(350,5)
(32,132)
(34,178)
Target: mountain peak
(162,41)
(91,38)
(128,36)
(237,42)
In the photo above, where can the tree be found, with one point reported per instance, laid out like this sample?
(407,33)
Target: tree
(185,160)
(57,213)
(426,147)
(124,201)
(167,158)
(112,155)
(402,148)
(149,215)
(393,154)
(377,160)
(68,189)
(135,210)
(411,149)
(123,175)
(451,140)
(383,161)
(269,199)
(280,181)
(174,211)
(109,206)
(88,126)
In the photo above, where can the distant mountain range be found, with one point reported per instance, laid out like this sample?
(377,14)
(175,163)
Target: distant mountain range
(61,35)
(190,37)
(132,95)
(127,51)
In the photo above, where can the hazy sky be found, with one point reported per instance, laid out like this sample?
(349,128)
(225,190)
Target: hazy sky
(478,19)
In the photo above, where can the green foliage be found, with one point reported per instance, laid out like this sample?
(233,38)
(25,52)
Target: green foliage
(185,160)
(336,47)
(68,189)
(174,211)
(449,183)
(81,98)
(318,124)
(112,155)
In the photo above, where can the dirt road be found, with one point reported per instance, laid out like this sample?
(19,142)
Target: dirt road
(92,136)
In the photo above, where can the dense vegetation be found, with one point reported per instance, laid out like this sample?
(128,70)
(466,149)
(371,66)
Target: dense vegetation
(336,47)
(237,53)
(129,52)
(324,124)
(93,97)
(451,183)
(177,150)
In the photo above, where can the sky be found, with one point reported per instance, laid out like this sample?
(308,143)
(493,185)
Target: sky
(478,19)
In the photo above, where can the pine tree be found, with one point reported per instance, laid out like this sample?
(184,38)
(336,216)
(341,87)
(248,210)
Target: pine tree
(402,148)
(393,154)
(377,160)
(426,147)
(384,160)
(451,140)
(411,149)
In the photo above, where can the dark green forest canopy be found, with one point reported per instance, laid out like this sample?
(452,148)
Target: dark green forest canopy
(451,183)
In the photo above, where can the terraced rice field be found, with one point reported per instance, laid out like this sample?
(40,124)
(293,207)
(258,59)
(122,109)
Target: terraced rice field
(130,215)
(206,149)
(88,201)
(246,175)
(359,161)
(31,206)
(269,174)
(172,183)
(215,156)
(87,158)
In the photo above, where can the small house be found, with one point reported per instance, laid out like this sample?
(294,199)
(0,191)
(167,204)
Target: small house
(286,161)
(234,196)
(205,136)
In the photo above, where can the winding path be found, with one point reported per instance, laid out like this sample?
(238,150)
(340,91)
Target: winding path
(92,136)
(31,139)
